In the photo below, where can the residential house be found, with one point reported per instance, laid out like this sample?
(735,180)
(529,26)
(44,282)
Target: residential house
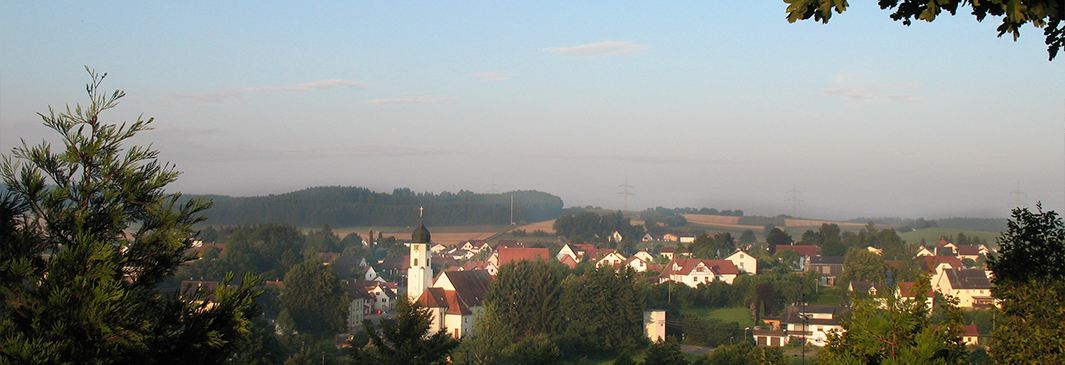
(614,237)
(613,259)
(805,253)
(687,239)
(437,248)
(830,268)
(505,255)
(971,252)
(924,251)
(811,323)
(358,306)
(637,264)
(647,237)
(645,256)
(383,297)
(971,286)
(970,335)
(693,272)
(905,292)
(670,237)
(744,262)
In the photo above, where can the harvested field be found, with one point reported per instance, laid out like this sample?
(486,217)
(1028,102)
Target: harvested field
(817,224)
(718,221)
(547,226)
(711,219)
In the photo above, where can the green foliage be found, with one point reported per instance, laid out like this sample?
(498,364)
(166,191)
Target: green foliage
(777,237)
(862,265)
(747,237)
(604,309)
(75,287)
(718,246)
(1029,278)
(314,298)
(1046,14)
(665,353)
(587,225)
(888,330)
(525,297)
(743,353)
(354,206)
(405,342)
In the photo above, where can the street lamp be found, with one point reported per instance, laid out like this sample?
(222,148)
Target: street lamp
(805,319)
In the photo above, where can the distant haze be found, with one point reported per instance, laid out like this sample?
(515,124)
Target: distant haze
(718,104)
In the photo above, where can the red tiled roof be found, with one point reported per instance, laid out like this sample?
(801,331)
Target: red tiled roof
(906,290)
(803,250)
(568,261)
(968,250)
(508,255)
(723,267)
(930,262)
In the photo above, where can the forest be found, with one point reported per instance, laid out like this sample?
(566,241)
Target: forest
(339,206)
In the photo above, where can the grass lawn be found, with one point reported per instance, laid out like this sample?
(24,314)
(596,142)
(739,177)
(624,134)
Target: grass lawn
(726,315)
(829,296)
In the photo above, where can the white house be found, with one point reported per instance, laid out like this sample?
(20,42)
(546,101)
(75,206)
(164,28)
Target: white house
(744,262)
(613,259)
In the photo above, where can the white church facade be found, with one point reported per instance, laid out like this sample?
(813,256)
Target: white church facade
(455,298)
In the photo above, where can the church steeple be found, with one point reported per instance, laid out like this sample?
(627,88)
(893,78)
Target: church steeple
(420,274)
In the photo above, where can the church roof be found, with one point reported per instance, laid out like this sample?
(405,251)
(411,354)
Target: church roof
(420,234)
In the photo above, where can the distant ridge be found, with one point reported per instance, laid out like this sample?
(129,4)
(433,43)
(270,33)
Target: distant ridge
(340,206)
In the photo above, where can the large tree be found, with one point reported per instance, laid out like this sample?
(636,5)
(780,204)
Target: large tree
(1029,278)
(887,329)
(314,298)
(405,342)
(87,232)
(1044,14)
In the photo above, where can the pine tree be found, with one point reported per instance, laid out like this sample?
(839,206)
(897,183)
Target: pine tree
(88,232)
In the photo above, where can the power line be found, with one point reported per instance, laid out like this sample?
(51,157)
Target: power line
(794,200)
(626,192)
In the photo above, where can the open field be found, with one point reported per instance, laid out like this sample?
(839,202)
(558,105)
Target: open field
(815,224)
(547,226)
(719,221)
(932,235)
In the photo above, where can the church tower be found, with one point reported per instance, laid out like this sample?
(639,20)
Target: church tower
(420,274)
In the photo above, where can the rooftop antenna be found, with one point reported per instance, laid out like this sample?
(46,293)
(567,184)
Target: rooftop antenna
(1017,202)
(794,200)
(626,193)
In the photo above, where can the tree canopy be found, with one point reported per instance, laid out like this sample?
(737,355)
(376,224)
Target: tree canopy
(1044,14)
(88,232)
(405,342)
(1029,278)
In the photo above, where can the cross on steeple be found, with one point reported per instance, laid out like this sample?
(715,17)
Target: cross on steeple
(421,212)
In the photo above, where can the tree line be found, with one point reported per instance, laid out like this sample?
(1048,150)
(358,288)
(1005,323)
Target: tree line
(354,206)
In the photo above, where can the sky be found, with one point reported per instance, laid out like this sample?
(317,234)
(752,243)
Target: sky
(720,104)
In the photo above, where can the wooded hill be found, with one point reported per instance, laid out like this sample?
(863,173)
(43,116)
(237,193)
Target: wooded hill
(354,206)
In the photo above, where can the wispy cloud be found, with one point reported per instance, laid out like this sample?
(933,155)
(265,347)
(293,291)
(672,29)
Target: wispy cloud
(411,98)
(874,91)
(220,95)
(492,76)
(601,49)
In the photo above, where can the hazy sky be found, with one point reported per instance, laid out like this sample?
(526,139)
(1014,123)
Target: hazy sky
(719,104)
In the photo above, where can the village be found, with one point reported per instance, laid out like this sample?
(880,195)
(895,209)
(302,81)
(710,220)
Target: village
(451,281)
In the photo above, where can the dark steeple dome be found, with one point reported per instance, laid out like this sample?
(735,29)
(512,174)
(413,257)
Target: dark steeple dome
(420,235)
